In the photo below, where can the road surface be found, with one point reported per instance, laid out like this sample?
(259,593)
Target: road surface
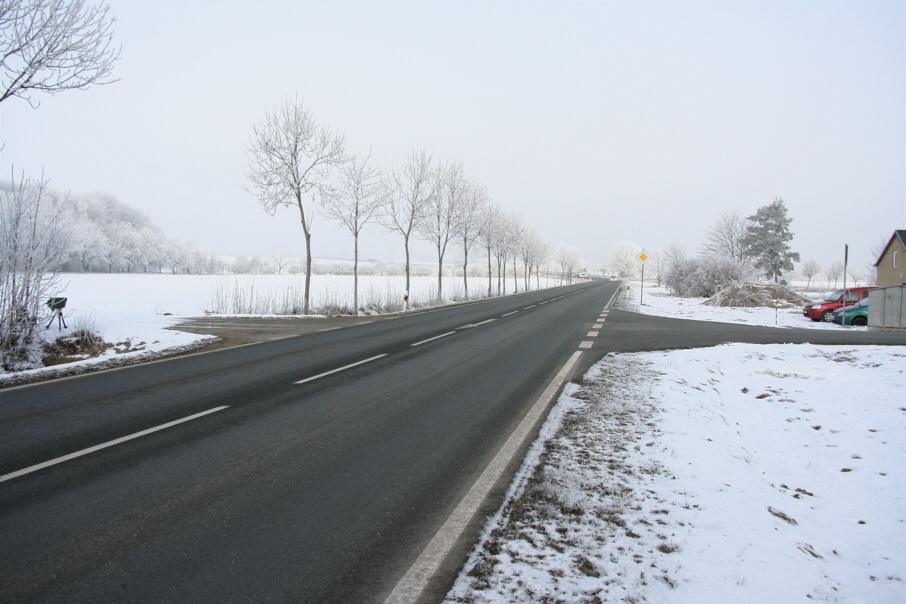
(313,468)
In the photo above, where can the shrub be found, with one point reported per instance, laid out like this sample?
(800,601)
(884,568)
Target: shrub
(704,276)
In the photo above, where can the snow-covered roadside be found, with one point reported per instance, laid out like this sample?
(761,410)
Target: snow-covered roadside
(739,473)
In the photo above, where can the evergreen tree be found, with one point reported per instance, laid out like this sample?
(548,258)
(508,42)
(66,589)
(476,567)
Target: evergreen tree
(767,240)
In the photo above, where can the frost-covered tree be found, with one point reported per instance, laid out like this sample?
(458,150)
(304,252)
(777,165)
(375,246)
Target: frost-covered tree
(568,257)
(658,264)
(470,219)
(506,236)
(674,255)
(290,159)
(517,228)
(47,46)
(438,222)
(624,258)
(834,271)
(531,248)
(33,243)
(725,237)
(408,189)
(767,240)
(810,269)
(703,276)
(353,202)
(488,236)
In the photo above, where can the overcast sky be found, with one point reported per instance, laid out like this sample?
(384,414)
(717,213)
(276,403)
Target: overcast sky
(598,121)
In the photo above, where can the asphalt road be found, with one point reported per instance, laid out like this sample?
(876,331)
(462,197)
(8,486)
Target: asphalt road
(325,490)
(270,489)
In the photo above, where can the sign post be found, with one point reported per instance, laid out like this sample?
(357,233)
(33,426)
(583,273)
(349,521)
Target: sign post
(643,258)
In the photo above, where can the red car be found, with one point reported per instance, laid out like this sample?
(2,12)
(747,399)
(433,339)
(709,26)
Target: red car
(820,311)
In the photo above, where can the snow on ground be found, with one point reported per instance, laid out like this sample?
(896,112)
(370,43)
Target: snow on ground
(655,301)
(741,473)
(137,311)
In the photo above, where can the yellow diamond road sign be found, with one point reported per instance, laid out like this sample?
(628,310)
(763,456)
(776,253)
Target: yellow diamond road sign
(644,257)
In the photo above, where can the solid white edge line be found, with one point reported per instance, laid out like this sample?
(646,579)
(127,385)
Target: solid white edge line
(338,369)
(110,443)
(410,587)
(443,335)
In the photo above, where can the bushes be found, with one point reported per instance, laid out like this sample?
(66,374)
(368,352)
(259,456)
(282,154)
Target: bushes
(704,276)
(32,245)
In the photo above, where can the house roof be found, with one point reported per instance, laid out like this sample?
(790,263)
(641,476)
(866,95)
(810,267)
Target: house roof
(901,235)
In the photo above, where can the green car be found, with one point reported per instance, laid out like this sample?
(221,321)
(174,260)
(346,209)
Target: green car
(856,314)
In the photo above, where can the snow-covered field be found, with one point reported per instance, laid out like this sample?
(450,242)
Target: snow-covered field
(136,311)
(740,473)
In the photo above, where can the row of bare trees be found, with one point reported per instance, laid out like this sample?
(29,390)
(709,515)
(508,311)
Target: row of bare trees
(295,163)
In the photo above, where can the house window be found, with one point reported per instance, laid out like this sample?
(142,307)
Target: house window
(895,254)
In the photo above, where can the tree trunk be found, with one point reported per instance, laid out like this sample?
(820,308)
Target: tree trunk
(465,270)
(406,244)
(355,279)
(440,274)
(498,275)
(489,272)
(307,252)
(307,271)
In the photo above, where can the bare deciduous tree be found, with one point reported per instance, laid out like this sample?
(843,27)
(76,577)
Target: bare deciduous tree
(469,221)
(54,45)
(488,236)
(409,189)
(353,203)
(725,237)
(290,159)
(567,257)
(624,257)
(833,271)
(505,230)
(438,224)
(675,255)
(810,269)
(658,263)
(531,248)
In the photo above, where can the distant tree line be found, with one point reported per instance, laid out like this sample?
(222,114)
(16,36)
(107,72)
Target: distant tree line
(98,233)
